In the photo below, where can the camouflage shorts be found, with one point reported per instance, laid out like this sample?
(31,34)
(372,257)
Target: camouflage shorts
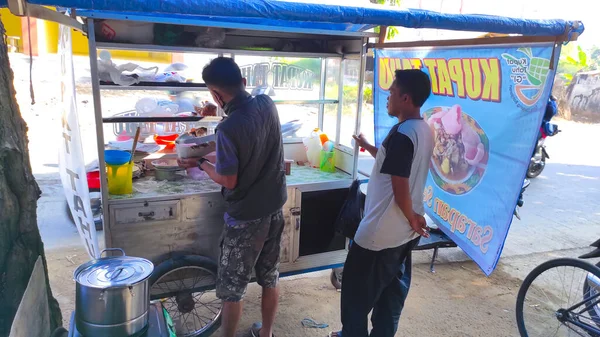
(248,245)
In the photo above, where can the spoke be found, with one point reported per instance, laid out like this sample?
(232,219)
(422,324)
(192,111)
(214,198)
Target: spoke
(557,328)
(185,317)
(571,287)
(208,307)
(204,320)
(573,330)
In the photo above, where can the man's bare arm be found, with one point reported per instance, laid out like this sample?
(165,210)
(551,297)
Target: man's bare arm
(229,181)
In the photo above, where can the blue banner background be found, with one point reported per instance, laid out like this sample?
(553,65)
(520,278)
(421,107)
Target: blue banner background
(484,204)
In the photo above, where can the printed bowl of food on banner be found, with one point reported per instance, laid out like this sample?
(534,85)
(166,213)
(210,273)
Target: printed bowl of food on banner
(461,149)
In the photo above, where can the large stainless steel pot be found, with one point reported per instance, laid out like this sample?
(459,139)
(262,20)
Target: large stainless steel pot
(112,296)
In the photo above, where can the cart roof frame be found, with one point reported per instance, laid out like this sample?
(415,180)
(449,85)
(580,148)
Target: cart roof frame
(273,15)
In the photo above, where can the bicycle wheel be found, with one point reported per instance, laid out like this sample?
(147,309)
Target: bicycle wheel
(551,301)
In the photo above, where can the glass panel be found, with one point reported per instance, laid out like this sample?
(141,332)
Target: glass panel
(282,78)
(350,101)
(330,120)
(303,118)
(331,92)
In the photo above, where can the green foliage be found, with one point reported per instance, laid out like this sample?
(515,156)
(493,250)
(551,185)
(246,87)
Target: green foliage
(350,94)
(575,61)
(391,31)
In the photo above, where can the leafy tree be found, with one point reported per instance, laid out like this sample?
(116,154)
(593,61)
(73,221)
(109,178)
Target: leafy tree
(391,31)
(575,61)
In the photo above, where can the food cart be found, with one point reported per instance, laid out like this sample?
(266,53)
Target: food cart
(177,224)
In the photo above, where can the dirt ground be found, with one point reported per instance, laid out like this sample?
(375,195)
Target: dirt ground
(456,301)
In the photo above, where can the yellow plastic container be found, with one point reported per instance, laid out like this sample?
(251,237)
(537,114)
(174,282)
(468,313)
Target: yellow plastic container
(120,178)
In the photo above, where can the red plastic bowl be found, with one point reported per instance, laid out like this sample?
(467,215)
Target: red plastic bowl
(168,140)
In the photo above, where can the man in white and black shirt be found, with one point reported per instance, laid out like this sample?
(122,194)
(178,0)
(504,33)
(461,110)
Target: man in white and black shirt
(377,270)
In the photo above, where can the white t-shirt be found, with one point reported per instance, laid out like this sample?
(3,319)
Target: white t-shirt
(405,152)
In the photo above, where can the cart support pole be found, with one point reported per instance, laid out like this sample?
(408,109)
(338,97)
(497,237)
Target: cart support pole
(322,91)
(340,109)
(361,85)
(99,128)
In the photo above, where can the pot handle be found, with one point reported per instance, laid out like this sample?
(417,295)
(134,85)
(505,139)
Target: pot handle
(112,250)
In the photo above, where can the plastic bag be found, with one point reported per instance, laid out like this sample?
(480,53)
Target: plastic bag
(125,31)
(210,37)
(124,74)
(150,106)
(351,214)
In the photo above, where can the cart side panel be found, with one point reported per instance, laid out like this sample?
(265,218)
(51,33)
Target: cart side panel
(194,227)
(159,230)
(287,239)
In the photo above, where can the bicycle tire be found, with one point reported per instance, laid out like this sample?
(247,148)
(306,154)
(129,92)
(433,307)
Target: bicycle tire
(562,262)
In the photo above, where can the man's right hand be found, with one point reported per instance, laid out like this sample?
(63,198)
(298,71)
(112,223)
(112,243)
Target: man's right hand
(361,140)
(419,225)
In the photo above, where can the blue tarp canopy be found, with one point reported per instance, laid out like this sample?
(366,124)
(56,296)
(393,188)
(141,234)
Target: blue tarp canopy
(291,16)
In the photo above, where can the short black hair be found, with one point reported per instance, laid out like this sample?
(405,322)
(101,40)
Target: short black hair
(224,73)
(415,84)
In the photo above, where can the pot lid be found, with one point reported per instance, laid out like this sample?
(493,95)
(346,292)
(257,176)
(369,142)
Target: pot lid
(111,272)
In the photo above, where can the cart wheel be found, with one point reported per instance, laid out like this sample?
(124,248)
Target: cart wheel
(186,287)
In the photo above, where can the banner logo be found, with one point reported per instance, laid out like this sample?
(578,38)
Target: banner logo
(528,75)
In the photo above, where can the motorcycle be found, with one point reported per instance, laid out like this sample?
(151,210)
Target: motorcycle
(526,184)
(538,159)
(547,129)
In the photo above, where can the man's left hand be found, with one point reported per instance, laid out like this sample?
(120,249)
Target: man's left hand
(188,162)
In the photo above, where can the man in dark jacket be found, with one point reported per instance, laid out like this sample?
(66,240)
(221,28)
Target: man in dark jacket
(250,169)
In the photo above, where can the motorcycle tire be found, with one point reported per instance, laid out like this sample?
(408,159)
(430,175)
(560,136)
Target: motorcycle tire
(535,170)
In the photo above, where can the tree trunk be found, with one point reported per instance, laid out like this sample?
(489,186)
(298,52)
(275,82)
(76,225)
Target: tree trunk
(20,241)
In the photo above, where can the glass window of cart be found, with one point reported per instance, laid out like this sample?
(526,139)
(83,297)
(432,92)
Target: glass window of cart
(351,77)
(127,102)
(302,96)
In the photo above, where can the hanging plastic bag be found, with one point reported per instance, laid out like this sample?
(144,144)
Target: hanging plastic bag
(124,74)
(351,214)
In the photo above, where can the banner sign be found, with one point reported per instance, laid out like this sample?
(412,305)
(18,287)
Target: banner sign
(71,162)
(485,112)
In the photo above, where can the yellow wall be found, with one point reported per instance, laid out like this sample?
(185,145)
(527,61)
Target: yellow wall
(48,40)
(12,23)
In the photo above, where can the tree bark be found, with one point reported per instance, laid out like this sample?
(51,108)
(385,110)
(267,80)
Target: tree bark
(20,241)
